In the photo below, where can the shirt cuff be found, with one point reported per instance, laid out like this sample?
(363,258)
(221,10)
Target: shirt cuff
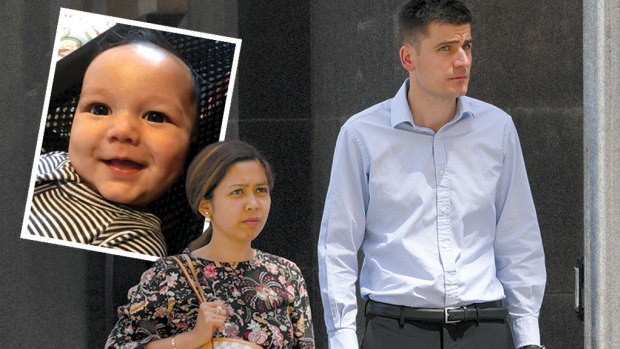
(525,331)
(344,338)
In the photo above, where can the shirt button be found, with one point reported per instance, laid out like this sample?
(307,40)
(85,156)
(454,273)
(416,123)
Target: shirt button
(443,210)
(441,172)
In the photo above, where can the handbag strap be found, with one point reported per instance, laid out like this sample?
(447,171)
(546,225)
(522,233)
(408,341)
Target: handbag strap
(193,282)
(191,267)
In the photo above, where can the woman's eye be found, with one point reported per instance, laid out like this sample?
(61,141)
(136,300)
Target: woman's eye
(262,190)
(237,192)
(100,109)
(154,116)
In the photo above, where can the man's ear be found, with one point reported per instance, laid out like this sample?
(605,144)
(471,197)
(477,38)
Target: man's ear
(407,58)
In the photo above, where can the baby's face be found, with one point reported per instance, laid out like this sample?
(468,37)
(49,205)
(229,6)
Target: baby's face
(133,123)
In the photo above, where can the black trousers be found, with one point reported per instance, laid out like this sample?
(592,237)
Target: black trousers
(382,332)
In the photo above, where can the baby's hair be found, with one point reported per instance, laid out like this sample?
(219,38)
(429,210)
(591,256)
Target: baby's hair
(122,34)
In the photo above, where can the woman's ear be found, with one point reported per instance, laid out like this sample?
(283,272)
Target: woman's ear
(204,207)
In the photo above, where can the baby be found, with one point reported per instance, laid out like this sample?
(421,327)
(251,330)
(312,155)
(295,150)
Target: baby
(129,139)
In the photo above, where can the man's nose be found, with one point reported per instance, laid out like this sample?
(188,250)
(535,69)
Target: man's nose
(462,59)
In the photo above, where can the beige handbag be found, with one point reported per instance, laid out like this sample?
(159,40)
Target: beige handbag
(216,343)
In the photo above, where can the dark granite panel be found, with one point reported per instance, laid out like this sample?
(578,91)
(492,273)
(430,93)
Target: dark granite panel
(355,60)
(527,53)
(274,66)
(44,290)
(552,145)
(44,294)
(559,325)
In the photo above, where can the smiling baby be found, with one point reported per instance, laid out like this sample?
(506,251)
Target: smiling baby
(129,140)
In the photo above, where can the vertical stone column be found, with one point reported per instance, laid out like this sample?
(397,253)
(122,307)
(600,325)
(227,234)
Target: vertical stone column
(601,21)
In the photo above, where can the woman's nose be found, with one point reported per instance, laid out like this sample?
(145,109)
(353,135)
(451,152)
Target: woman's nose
(252,203)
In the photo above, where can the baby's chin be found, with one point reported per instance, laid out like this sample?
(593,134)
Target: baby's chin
(139,200)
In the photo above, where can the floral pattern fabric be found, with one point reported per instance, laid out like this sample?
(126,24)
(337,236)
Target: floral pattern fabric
(266,301)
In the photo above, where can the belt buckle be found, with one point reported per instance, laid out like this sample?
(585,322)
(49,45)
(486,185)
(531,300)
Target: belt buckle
(446,316)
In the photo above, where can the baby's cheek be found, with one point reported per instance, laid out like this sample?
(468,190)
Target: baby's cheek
(170,154)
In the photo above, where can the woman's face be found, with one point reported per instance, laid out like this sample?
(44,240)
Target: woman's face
(240,203)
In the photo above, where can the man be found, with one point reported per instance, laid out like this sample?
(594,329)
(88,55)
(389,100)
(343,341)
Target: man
(431,185)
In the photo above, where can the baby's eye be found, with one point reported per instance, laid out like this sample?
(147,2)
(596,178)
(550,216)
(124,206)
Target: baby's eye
(100,109)
(155,116)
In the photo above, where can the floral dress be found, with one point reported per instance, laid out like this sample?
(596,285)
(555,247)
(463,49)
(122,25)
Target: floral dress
(266,301)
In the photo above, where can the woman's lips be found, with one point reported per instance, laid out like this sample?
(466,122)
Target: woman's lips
(251,221)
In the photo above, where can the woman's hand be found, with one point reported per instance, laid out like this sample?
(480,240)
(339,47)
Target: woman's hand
(211,316)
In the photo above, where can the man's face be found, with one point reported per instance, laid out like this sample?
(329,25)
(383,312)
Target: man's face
(441,61)
(133,123)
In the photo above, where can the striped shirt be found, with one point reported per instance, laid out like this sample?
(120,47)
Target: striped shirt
(64,208)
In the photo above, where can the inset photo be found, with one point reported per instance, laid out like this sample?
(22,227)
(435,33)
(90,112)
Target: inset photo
(128,105)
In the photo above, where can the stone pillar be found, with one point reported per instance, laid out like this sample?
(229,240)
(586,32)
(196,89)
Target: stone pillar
(601,71)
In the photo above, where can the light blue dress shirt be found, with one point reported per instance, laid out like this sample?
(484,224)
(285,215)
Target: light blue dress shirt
(444,219)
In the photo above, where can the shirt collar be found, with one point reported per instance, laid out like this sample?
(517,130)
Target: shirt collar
(400,107)
(401,113)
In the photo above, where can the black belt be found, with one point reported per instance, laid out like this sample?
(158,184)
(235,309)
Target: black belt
(473,312)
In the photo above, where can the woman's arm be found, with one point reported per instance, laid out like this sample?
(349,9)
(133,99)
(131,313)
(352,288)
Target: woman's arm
(301,316)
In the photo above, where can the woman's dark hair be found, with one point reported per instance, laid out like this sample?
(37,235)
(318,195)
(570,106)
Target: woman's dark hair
(415,15)
(209,167)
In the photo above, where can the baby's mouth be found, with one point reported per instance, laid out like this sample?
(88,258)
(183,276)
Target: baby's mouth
(124,165)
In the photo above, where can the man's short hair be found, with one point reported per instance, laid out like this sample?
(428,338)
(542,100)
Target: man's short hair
(415,15)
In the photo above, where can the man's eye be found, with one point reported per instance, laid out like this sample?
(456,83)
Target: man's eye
(154,116)
(237,192)
(100,109)
(262,190)
(467,46)
(444,48)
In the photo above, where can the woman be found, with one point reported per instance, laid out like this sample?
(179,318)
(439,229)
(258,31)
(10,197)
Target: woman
(250,295)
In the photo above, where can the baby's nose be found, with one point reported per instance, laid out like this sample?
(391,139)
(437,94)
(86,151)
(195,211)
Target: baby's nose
(124,128)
